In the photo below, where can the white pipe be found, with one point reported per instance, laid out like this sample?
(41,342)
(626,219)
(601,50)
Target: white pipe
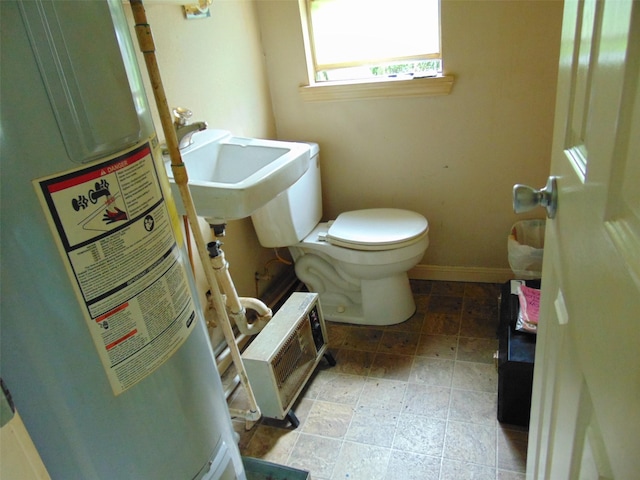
(221,269)
(237,306)
(231,388)
(257,305)
(223,359)
(147,47)
(236,412)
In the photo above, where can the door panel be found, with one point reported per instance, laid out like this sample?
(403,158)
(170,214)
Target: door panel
(585,418)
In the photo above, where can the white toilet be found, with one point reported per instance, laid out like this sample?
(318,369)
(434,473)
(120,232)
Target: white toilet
(358,262)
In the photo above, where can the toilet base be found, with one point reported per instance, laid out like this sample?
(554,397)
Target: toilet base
(385,301)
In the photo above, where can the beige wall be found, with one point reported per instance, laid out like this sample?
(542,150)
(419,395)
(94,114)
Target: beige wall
(214,67)
(451,158)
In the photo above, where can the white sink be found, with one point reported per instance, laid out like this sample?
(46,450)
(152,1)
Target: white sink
(230,177)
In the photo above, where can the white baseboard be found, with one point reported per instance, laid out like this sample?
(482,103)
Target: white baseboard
(460,274)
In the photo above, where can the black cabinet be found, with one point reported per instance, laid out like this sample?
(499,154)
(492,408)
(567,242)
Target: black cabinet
(516,356)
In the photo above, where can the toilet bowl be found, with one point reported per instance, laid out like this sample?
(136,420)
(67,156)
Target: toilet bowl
(357,263)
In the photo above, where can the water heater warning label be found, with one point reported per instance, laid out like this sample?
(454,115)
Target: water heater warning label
(115,232)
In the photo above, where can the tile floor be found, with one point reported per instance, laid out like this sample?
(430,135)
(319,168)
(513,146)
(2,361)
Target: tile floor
(414,401)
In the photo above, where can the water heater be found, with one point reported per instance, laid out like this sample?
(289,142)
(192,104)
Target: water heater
(103,343)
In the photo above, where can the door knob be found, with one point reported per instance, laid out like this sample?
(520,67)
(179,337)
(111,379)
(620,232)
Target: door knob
(526,198)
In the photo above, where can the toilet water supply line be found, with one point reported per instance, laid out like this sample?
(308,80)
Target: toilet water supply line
(147,47)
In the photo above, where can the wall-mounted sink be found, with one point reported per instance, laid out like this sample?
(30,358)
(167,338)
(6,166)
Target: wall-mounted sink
(230,177)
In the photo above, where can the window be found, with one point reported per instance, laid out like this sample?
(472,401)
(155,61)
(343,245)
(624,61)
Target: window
(359,39)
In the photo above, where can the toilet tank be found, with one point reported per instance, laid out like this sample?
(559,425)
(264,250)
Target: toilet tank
(291,216)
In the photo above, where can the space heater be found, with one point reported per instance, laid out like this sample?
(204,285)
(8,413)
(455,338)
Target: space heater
(285,353)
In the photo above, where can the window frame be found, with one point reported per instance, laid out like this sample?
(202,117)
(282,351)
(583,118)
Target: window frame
(375,87)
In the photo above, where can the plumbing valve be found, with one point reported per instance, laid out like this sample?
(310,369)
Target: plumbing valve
(214,248)
(181,115)
(219,229)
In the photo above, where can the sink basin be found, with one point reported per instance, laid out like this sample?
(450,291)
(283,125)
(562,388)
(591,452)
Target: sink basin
(231,177)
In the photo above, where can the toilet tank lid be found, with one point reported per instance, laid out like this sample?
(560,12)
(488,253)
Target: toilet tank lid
(377,226)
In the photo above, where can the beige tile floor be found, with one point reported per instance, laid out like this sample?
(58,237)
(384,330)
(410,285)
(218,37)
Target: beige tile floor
(414,401)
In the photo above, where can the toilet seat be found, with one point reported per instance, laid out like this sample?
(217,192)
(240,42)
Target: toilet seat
(377,229)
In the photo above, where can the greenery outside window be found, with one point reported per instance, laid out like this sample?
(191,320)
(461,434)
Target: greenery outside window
(363,41)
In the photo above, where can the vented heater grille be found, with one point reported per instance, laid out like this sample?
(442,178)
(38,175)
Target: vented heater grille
(293,360)
(282,357)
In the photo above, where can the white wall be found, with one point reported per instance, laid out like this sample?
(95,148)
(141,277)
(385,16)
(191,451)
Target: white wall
(452,158)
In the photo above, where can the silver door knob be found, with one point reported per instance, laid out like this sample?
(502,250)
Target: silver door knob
(526,198)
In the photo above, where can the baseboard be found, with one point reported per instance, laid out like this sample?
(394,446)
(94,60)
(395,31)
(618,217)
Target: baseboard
(460,274)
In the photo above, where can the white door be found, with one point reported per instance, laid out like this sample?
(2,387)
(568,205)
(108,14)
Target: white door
(585,418)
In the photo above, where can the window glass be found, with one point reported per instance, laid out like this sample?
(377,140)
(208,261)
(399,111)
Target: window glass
(365,38)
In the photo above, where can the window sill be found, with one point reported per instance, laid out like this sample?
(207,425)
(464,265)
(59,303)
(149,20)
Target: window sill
(385,88)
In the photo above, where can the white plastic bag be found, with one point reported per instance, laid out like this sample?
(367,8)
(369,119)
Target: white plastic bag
(525,246)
